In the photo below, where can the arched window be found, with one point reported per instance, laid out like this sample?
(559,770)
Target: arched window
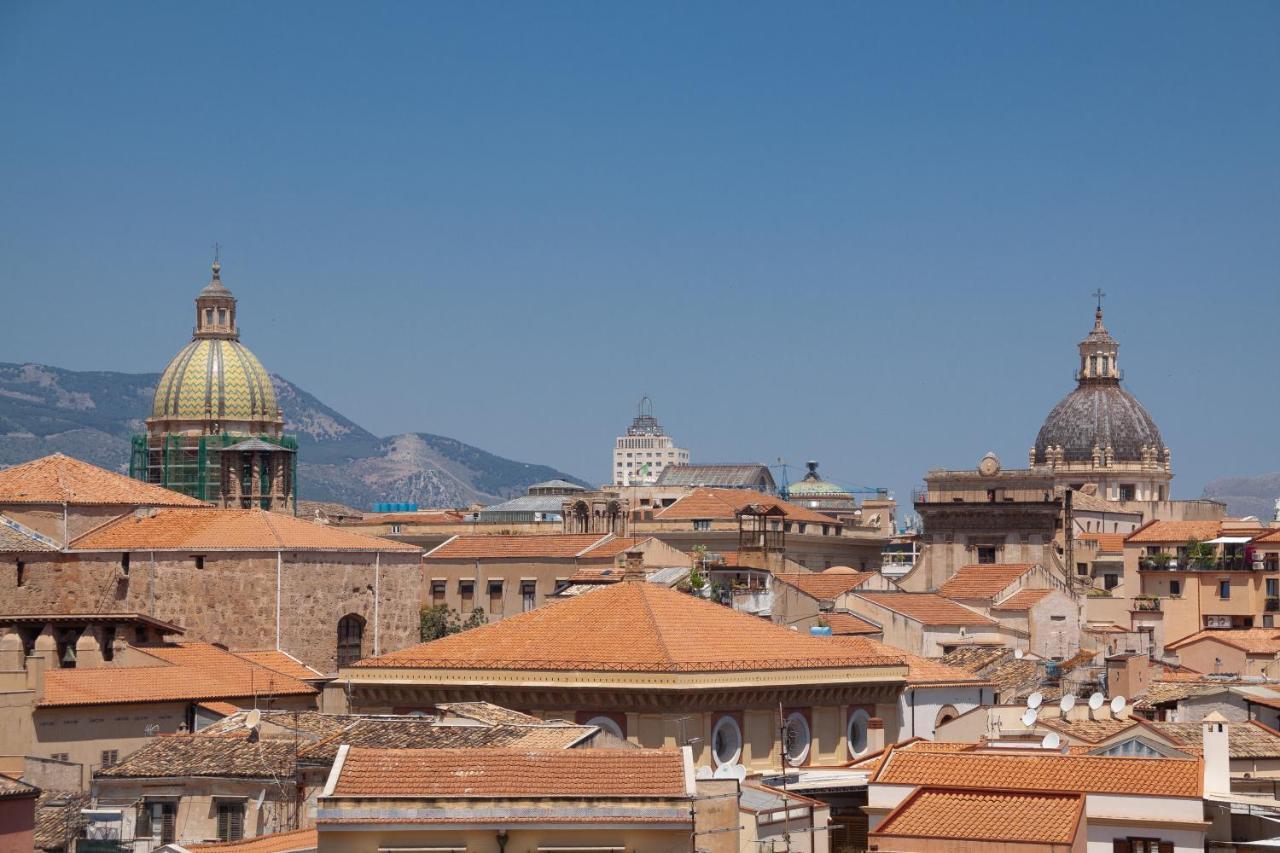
(858,722)
(797,740)
(726,741)
(945,715)
(607,724)
(350,639)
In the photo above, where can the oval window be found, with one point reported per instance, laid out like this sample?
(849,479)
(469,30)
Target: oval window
(607,724)
(797,739)
(726,741)
(858,721)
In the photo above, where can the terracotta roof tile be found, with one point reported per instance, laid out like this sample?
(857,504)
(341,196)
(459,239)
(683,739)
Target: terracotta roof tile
(1251,739)
(61,479)
(927,608)
(228,530)
(994,816)
(297,841)
(486,712)
(58,817)
(824,586)
(921,671)
(1174,532)
(14,537)
(16,789)
(1091,774)
(845,624)
(232,756)
(281,661)
(557,546)
(1257,641)
(1089,731)
(711,503)
(1023,599)
(426,733)
(983,581)
(1107,543)
(608,549)
(183,672)
(434,773)
(631,627)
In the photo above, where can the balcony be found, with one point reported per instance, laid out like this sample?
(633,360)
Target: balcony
(1148,604)
(1218,564)
(1272,605)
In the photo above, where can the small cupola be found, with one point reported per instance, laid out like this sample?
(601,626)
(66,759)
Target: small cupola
(216,309)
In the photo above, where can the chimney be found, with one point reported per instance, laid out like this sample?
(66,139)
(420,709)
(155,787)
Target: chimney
(633,566)
(1217,760)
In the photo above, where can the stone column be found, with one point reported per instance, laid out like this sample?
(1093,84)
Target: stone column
(255,488)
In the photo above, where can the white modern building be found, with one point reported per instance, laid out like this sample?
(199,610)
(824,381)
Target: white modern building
(641,455)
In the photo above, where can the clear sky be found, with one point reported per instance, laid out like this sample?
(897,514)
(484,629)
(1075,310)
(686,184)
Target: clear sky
(861,233)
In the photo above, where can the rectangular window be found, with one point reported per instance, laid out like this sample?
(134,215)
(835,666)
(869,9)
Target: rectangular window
(59,756)
(437,593)
(1224,589)
(1082,568)
(1110,581)
(1175,587)
(1273,587)
(986,554)
(702,524)
(124,563)
(199,562)
(1057,618)
(495,597)
(467,592)
(156,821)
(110,757)
(1127,491)
(22,573)
(230,820)
(528,595)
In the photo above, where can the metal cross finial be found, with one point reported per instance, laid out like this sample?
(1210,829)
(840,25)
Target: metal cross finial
(217,253)
(1098,294)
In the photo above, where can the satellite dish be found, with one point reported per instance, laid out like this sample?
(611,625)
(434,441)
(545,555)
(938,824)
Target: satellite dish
(724,771)
(1029,718)
(738,772)
(1035,700)
(1095,701)
(1017,653)
(1051,741)
(1117,705)
(1066,703)
(704,772)
(252,719)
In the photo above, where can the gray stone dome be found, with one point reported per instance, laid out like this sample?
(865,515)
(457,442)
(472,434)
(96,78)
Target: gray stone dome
(1099,414)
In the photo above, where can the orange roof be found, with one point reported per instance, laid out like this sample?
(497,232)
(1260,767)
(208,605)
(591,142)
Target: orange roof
(511,773)
(1023,599)
(1179,532)
(610,548)
(927,608)
(634,627)
(422,516)
(711,503)
(227,530)
(849,623)
(1256,641)
(996,816)
(557,546)
(1270,537)
(183,672)
(921,671)
(1033,771)
(983,581)
(226,709)
(277,842)
(281,662)
(824,585)
(61,479)
(1108,543)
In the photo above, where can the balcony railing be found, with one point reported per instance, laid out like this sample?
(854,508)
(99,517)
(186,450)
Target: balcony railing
(1220,564)
(1273,605)
(1146,604)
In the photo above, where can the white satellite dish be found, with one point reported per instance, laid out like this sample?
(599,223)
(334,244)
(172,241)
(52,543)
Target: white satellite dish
(1017,653)
(704,772)
(1029,718)
(739,772)
(252,719)
(1066,703)
(1117,705)
(1035,700)
(724,771)
(1051,741)
(1095,701)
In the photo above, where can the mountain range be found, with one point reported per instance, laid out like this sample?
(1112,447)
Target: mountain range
(1247,495)
(91,415)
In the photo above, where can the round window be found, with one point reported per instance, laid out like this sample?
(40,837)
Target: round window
(797,739)
(607,724)
(858,731)
(726,741)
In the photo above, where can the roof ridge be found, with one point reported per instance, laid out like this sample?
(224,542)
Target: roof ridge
(275,532)
(653,623)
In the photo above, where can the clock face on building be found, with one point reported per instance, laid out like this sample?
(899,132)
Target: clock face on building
(989,466)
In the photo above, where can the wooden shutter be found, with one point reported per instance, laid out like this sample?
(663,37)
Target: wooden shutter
(1120,845)
(1166,847)
(142,826)
(167,834)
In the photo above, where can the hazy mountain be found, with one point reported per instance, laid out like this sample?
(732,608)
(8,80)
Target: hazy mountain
(1247,495)
(92,414)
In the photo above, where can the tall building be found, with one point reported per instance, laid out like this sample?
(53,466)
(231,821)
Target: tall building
(215,431)
(641,455)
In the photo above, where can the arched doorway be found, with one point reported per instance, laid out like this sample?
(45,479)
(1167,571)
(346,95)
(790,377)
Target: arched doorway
(350,639)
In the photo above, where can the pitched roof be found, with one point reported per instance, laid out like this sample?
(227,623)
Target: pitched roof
(631,627)
(711,503)
(183,672)
(1000,666)
(58,818)
(281,661)
(233,756)
(612,547)
(511,773)
(1107,543)
(1251,739)
(983,581)
(845,624)
(1089,731)
(727,475)
(16,789)
(927,608)
(1161,532)
(557,546)
(824,586)
(227,530)
(297,841)
(60,479)
(15,537)
(1255,641)
(486,712)
(1023,599)
(994,816)
(426,733)
(1028,771)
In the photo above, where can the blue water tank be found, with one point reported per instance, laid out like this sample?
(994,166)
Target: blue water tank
(820,630)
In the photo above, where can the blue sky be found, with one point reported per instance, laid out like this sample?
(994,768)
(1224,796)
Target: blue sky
(861,233)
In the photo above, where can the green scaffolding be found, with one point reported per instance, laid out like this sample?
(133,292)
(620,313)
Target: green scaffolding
(190,464)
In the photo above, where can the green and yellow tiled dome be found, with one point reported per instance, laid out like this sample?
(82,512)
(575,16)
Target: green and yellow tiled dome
(214,377)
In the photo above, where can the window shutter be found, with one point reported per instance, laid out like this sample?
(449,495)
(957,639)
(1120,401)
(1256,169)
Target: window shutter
(142,826)
(1166,847)
(222,823)
(1120,845)
(167,829)
(236,823)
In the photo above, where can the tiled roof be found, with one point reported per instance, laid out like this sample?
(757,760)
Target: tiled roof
(824,586)
(297,841)
(557,546)
(16,788)
(1258,641)
(511,773)
(226,709)
(60,479)
(1089,731)
(921,671)
(227,530)
(844,624)
(1251,739)
(983,581)
(994,816)
(630,627)
(1174,532)
(183,672)
(610,548)
(1000,666)
(1093,503)
(927,608)
(234,756)
(58,818)
(281,662)
(16,538)
(709,503)
(1107,543)
(1023,599)
(486,712)
(1164,692)
(426,733)
(1091,774)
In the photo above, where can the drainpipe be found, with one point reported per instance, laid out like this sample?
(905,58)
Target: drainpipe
(65,543)
(377,596)
(279,571)
(151,587)
(913,711)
